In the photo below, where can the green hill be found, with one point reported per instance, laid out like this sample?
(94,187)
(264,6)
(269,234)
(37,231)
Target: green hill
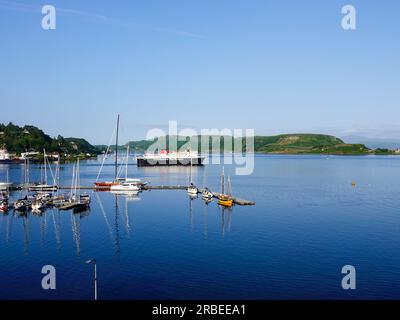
(30,138)
(307,143)
(285,143)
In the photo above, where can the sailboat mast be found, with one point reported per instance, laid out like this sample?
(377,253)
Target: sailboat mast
(116,149)
(229,189)
(45,166)
(190,155)
(78,180)
(73,181)
(26,174)
(190,171)
(58,171)
(127,160)
(223,181)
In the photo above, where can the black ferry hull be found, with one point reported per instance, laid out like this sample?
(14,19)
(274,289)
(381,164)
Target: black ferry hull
(149,162)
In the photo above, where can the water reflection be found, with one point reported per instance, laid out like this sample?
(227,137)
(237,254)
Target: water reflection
(115,214)
(103,211)
(9,218)
(42,219)
(205,219)
(191,199)
(26,224)
(57,227)
(129,198)
(226,216)
(43,228)
(114,228)
(76,232)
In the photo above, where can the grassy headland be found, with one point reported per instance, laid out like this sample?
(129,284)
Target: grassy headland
(302,143)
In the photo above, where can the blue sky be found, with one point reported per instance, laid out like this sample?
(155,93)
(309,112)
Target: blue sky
(274,66)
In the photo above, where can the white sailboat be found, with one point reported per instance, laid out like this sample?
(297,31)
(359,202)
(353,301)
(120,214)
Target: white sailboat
(44,186)
(81,202)
(128,185)
(107,184)
(206,194)
(5,186)
(192,189)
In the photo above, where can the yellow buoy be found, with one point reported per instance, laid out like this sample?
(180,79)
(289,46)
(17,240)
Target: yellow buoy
(353,183)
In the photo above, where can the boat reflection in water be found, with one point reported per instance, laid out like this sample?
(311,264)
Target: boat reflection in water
(226,219)
(42,218)
(114,228)
(115,210)
(225,214)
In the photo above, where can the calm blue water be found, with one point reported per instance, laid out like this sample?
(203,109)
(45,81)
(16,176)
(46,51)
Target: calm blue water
(308,222)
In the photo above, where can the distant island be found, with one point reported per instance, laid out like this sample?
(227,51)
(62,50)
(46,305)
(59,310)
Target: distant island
(29,138)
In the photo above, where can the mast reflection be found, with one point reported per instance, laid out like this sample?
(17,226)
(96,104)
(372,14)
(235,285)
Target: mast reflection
(76,232)
(226,216)
(57,228)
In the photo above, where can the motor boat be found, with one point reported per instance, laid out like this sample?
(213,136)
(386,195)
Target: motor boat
(126,186)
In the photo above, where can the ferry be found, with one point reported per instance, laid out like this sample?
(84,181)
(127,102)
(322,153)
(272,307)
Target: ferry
(170,158)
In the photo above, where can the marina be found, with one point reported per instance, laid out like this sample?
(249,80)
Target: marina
(222,252)
(40,196)
(217,195)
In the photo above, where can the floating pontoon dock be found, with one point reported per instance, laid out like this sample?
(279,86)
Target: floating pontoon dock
(236,200)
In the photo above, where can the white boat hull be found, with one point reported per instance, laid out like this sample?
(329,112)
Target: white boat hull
(43,187)
(192,191)
(5,185)
(130,188)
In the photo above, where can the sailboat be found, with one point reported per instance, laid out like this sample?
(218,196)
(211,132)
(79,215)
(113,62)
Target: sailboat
(192,189)
(225,199)
(129,185)
(81,202)
(207,195)
(108,184)
(44,186)
(5,186)
(76,201)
